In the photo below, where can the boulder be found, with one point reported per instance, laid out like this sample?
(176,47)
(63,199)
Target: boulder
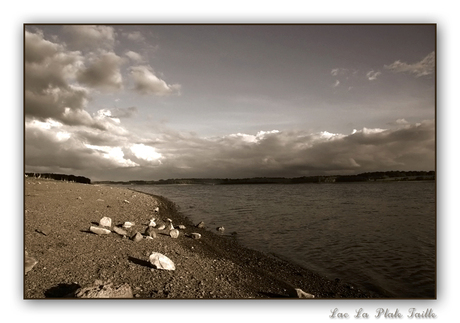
(174,233)
(160,261)
(105,222)
(99,230)
(107,290)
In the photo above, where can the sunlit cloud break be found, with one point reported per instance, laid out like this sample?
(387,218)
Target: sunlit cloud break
(266,153)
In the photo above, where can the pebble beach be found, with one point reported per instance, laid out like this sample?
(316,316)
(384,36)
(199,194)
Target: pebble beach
(70,254)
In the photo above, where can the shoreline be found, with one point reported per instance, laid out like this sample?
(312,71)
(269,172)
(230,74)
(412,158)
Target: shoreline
(57,218)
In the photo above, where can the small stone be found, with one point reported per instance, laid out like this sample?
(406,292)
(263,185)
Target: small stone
(181,226)
(174,233)
(195,235)
(156,210)
(99,230)
(105,222)
(137,237)
(161,227)
(302,294)
(128,225)
(160,261)
(150,232)
(120,231)
(126,201)
(220,229)
(44,230)
(200,225)
(29,263)
(152,223)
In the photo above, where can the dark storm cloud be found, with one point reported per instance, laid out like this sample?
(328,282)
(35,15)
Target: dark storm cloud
(103,72)
(172,154)
(49,88)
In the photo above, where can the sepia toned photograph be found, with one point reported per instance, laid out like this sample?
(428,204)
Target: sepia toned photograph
(230,161)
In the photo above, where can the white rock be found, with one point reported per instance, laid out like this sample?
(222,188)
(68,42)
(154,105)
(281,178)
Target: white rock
(160,261)
(181,226)
(105,222)
(174,233)
(128,225)
(152,223)
(302,294)
(29,263)
(157,209)
(99,230)
(161,227)
(126,201)
(220,229)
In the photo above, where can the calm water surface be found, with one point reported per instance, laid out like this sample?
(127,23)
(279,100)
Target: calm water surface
(378,236)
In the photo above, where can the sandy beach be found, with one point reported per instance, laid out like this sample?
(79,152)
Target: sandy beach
(70,258)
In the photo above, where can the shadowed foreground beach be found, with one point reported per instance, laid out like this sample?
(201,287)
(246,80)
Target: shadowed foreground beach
(71,259)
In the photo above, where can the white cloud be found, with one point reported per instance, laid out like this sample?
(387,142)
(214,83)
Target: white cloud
(135,35)
(114,154)
(371,75)
(421,68)
(89,37)
(147,153)
(110,154)
(146,82)
(134,56)
(339,71)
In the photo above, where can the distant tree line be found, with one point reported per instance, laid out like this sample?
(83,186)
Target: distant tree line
(363,177)
(61,177)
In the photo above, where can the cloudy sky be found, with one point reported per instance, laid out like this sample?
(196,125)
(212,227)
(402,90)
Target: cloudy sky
(125,102)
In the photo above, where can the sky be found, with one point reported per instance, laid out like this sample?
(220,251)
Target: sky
(150,102)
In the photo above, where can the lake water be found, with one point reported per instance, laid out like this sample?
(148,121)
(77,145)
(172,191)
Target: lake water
(377,236)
